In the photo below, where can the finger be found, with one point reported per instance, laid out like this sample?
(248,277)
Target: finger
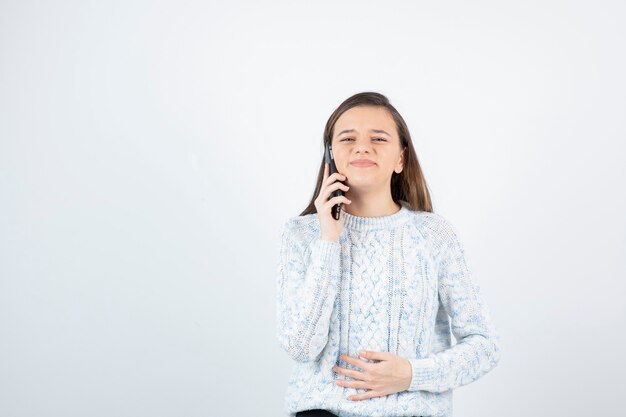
(365,396)
(351,384)
(329,189)
(336,200)
(355,361)
(333,178)
(377,355)
(325,191)
(358,376)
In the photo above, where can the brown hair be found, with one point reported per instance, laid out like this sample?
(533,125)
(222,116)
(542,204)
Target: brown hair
(410,184)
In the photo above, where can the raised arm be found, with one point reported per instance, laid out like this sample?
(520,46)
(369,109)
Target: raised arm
(477,350)
(308,276)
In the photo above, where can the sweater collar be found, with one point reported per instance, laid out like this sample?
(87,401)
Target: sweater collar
(378,222)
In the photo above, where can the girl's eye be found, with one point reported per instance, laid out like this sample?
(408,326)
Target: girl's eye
(382,139)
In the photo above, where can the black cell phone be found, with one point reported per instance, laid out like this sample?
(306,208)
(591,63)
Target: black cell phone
(328,158)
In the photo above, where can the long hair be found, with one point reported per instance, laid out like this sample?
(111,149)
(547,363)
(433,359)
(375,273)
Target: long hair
(410,184)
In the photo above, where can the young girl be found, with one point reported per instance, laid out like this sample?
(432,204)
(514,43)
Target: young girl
(367,304)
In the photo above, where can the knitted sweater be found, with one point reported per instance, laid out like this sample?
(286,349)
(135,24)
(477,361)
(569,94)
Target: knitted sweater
(398,283)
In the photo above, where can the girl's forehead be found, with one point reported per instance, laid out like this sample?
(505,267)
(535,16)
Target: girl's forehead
(364,122)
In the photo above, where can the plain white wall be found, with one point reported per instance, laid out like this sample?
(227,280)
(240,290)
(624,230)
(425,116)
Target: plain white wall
(151,151)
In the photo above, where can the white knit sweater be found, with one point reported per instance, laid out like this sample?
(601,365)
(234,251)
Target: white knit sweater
(398,283)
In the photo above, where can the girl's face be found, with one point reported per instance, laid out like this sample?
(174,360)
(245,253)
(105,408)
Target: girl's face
(367,132)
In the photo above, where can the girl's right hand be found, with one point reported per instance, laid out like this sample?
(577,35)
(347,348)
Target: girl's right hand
(329,227)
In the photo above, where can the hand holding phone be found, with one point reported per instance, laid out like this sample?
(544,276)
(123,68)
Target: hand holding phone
(330,159)
(329,207)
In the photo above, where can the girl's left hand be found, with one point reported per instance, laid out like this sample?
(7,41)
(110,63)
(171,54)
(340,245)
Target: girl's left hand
(390,375)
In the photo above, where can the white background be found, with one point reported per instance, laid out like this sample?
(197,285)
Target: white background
(151,151)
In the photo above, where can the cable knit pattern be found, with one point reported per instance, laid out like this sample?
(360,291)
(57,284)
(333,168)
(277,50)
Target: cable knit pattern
(398,283)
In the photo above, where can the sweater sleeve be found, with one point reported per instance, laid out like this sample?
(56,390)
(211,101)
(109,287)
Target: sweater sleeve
(308,275)
(477,350)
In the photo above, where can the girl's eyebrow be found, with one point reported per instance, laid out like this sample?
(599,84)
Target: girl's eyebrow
(371,130)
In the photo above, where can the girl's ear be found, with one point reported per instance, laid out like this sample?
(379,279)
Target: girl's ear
(401,161)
